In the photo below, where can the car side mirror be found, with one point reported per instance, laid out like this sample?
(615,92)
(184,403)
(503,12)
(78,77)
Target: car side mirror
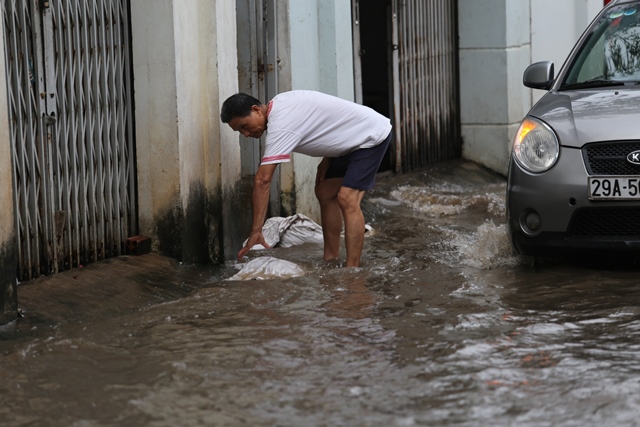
(539,75)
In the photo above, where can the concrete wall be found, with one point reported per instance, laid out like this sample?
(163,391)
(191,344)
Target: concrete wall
(494,49)
(184,59)
(317,42)
(8,261)
(498,40)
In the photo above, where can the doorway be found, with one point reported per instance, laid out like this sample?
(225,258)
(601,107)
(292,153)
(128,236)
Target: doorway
(373,19)
(406,67)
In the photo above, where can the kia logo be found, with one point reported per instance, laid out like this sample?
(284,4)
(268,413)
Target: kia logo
(634,157)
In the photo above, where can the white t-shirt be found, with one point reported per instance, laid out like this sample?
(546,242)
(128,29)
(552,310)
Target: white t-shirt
(320,125)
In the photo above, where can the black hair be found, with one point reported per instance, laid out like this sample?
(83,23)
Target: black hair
(238,105)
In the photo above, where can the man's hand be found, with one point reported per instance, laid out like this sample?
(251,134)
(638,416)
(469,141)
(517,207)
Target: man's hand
(255,239)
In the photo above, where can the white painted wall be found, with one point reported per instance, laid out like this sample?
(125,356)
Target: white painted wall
(494,48)
(156,111)
(223,141)
(185,65)
(193,35)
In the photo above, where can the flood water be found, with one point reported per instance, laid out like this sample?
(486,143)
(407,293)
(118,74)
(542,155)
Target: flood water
(442,326)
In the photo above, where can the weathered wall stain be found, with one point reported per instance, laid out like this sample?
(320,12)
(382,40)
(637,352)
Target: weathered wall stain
(8,286)
(288,203)
(195,237)
(210,230)
(169,233)
(238,218)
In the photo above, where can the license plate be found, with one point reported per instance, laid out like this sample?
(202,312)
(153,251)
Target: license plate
(614,188)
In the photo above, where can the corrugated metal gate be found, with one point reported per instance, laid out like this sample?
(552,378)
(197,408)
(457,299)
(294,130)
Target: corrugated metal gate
(70,104)
(425,69)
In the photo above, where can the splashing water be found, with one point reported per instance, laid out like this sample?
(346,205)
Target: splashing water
(489,248)
(486,248)
(437,201)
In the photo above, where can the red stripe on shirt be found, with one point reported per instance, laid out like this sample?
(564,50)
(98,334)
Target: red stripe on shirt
(269,105)
(278,158)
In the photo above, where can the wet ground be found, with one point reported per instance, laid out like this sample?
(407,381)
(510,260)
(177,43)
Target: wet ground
(442,326)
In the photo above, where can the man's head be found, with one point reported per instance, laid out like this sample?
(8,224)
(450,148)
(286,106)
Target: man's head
(245,114)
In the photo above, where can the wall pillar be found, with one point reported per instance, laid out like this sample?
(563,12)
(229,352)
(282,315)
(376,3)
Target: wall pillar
(185,65)
(494,51)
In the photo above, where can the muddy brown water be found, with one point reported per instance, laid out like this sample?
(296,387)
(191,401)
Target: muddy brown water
(442,326)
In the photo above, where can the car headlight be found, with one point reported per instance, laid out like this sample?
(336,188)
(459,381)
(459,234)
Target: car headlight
(535,146)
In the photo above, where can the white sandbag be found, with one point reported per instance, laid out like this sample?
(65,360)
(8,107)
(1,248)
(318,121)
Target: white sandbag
(270,231)
(267,268)
(301,229)
(290,231)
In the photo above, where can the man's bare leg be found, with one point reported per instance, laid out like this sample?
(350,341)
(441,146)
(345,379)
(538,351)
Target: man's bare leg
(331,216)
(349,200)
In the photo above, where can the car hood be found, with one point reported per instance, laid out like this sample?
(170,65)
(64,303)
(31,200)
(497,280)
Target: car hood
(584,116)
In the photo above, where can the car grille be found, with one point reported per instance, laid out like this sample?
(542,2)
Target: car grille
(610,158)
(607,222)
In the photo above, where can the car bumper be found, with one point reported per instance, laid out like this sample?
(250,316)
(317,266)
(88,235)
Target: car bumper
(563,244)
(568,220)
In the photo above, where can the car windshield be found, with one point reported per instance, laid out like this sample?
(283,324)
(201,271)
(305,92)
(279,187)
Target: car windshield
(610,54)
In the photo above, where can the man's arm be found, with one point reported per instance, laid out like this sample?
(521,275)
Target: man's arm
(260,202)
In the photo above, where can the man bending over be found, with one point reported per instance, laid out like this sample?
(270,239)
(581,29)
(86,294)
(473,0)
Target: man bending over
(352,140)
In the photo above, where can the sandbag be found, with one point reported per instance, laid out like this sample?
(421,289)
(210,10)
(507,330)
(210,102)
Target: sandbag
(266,267)
(290,231)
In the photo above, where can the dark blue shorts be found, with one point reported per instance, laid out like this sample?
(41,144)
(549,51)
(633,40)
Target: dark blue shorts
(359,168)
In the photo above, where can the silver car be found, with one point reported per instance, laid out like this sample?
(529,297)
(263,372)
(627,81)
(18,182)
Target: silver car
(574,175)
